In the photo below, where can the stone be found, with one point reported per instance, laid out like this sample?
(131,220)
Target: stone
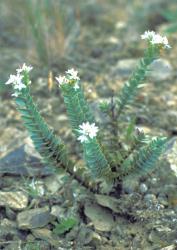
(101,218)
(30,149)
(46,235)
(54,183)
(18,162)
(130,185)
(34,218)
(162,233)
(150,199)
(42,233)
(85,235)
(95,108)
(124,68)
(170,191)
(171,247)
(10,137)
(58,211)
(162,199)
(160,70)
(97,240)
(143,188)
(168,170)
(7,227)
(36,188)
(16,200)
(109,202)
(10,213)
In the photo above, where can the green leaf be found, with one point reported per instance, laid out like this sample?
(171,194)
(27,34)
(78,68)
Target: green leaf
(104,106)
(64,226)
(130,129)
(170,15)
(135,82)
(144,161)
(172,28)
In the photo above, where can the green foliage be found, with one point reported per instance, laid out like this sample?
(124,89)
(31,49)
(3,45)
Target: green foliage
(46,143)
(32,246)
(96,161)
(51,148)
(104,106)
(77,108)
(130,88)
(128,152)
(145,158)
(171,16)
(64,226)
(78,112)
(53,28)
(32,187)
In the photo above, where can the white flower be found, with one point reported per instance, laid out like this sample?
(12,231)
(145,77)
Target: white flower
(14,79)
(19,86)
(17,80)
(72,74)
(87,131)
(156,38)
(15,94)
(82,138)
(24,68)
(61,80)
(148,35)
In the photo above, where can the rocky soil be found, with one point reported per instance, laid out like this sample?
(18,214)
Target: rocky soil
(33,199)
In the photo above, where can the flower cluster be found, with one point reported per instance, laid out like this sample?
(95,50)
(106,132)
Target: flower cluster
(71,75)
(17,80)
(24,68)
(156,39)
(87,131)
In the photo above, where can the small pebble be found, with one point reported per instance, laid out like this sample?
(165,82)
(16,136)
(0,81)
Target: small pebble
(154,180)
(150,198)
(143,188)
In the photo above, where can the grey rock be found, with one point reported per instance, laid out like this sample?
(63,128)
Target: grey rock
(34,218)
(124,68)
(171,247)
(170,191)
(30,149)
(162,199)
(54,183)
(100,116)
(18,162)
(109,202)
(101,218)
(85,235)
(160,70)
(16,200)
(162,234)
(36,188)
(7,227)
(153,181)
(46,235)
(143,188)
(10,214)
(58,211)
(150,199)
(130,185)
